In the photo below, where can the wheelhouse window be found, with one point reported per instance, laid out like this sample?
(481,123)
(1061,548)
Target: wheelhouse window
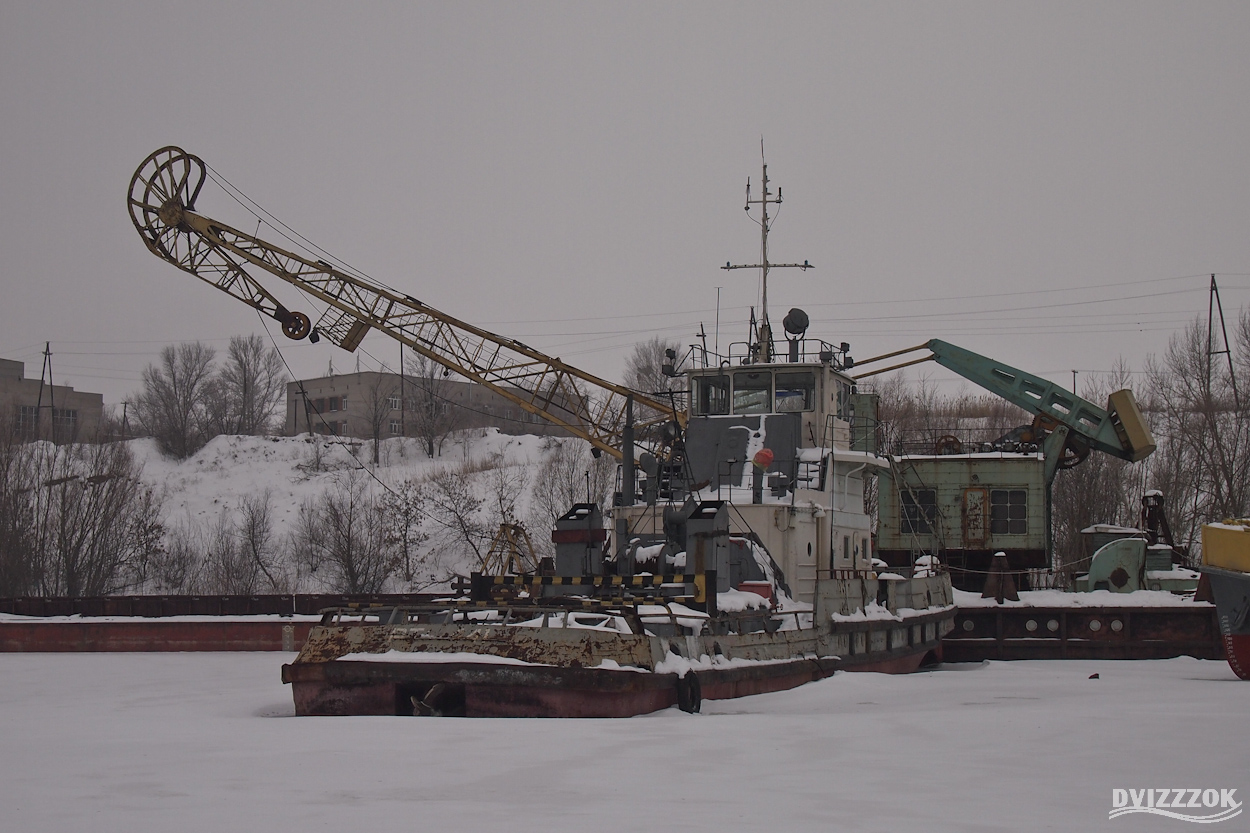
(711,395)
(795,392)
(1009,512)
(919,511)
(753,392)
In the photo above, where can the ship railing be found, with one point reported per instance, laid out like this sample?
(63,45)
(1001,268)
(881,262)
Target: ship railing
(806,351)
(636,614)
(762,621)
(640,617)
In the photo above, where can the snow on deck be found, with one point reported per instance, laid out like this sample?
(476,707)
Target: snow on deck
(207,742)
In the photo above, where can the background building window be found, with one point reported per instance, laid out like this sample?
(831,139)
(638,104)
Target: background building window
(392,402)
(28,419)
(1009,512)
(394,426)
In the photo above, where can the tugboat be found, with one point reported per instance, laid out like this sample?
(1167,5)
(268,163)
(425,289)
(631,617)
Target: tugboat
(742,563)
(1226,565)
(740,557)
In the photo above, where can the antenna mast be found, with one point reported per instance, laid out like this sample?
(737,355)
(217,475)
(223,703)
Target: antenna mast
(764,345)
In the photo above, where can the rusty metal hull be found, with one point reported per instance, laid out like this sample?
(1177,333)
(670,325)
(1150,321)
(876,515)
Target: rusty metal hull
(1231,589)
(492,690)
(1009,633)
(502,686)
(152,635)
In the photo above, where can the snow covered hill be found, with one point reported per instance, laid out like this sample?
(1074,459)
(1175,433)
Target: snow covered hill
(205,498)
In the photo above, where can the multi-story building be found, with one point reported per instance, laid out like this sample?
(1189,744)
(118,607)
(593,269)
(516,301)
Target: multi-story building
(42,411)
(351,404)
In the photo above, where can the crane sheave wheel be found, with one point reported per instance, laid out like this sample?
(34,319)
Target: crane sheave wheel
(167,183)
(297,326)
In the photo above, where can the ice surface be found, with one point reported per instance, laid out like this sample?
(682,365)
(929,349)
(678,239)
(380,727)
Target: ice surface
(152,743)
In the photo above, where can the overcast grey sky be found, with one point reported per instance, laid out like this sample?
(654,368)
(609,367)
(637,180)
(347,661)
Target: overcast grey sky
(1046,183)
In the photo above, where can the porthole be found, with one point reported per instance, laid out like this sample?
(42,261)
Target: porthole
(1030,625)
(968,625)
(1052,625)
(1117,625)
(1095,625)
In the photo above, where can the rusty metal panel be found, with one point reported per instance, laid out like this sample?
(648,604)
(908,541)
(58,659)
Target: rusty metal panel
(571,647)
(976,517)
(151,635)
(1083,633)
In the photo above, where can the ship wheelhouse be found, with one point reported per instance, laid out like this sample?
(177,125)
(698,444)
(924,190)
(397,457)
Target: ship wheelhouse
(781,444)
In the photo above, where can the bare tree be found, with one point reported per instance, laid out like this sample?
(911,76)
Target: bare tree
(226,568)
(344,533)
(1201,421)
(381,395)
(1101,490)
(171,405)
(644,369)
(454,512)
(431,415)
(243,396)
(644,372)
(405,509)
(81,522)
(256,540)
(17,519)
(176,568)
(568,474)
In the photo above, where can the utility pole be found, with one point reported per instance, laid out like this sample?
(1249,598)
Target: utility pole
(764,346)
(46,370)
(1214,306)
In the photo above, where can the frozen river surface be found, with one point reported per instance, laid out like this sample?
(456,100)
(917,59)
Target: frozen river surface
(208,742)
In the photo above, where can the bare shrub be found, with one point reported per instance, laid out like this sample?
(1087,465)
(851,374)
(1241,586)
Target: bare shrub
(77,519)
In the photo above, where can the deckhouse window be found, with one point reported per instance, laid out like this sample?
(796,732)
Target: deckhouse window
(712,395)
(795,392)
(753,392)
(919,511)
(1009,512)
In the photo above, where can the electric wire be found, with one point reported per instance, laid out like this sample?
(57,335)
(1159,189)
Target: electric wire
(333,438)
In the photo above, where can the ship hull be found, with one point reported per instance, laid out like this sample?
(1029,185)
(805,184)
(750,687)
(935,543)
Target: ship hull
(495,688)
(1231,589)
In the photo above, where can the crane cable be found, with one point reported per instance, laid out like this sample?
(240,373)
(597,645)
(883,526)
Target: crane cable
(304,397)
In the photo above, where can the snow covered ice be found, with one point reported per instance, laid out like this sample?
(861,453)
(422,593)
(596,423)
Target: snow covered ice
(208,742)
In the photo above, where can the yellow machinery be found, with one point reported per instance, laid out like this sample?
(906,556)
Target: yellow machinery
(162,199)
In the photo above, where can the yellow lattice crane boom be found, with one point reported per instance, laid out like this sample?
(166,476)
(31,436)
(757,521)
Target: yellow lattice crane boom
(162,205)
